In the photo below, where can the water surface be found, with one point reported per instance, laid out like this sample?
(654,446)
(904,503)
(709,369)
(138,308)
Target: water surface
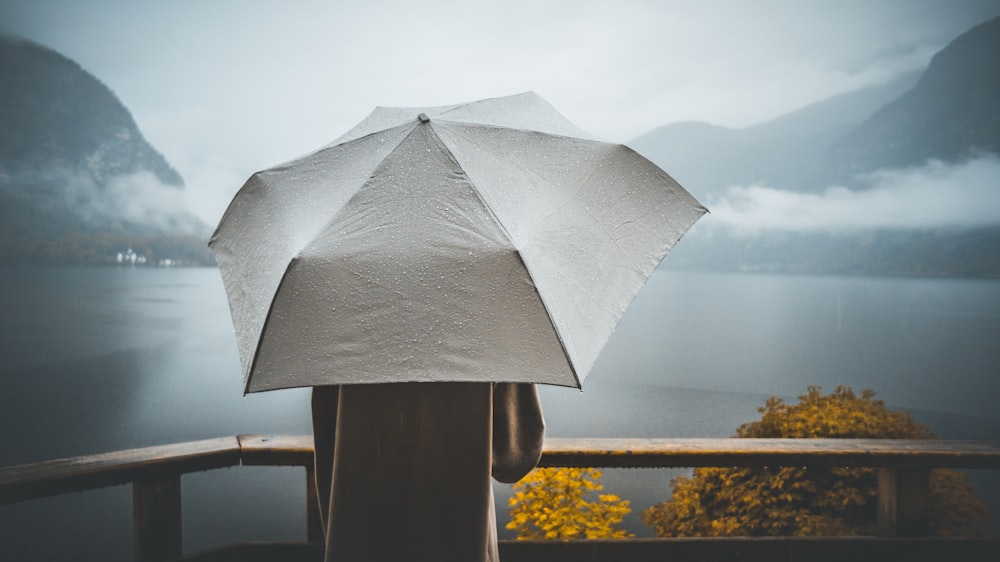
(100,359)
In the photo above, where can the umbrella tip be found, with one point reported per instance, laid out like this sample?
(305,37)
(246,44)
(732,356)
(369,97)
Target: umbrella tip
(423,118)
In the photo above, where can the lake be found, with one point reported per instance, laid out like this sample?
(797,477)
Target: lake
(100,359)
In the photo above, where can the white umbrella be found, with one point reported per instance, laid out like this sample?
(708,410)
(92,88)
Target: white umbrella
(486,241)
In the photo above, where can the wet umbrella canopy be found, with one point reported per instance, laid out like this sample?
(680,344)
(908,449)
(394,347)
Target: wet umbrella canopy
(487,241)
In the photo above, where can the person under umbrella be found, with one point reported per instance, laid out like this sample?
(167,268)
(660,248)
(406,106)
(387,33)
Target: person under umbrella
(422,273)
(403,471)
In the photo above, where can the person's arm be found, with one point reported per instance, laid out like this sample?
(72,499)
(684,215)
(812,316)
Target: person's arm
(518,430)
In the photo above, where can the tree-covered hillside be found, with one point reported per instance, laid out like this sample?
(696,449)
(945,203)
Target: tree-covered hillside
(78,182)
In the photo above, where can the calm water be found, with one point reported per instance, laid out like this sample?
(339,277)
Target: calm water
(104,359)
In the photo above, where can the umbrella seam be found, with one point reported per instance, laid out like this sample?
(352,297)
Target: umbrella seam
(372,174)
(607,157)
(615,312)
(334,143)
(267,320)
(225,214)
(548,314)
(295,258)
(513,245)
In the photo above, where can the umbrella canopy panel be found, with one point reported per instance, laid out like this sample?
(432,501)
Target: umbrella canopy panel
(274,215)
(490,241)
(592,220)
(412,280)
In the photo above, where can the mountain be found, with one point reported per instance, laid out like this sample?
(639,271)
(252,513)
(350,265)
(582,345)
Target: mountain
(952,113)
(786,151)
(948,114)
(78,182)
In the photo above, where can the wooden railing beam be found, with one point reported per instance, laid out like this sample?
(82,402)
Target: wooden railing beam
(276,450)
(904,477)
(813,453)
(74,474)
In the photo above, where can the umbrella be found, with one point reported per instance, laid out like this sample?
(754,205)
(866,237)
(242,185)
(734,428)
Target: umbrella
(485,241)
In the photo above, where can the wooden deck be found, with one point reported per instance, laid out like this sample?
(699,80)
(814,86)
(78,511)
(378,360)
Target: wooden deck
(904,468)
(779,549)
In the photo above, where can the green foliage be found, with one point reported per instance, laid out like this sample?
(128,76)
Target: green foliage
(558,504)
(796,501)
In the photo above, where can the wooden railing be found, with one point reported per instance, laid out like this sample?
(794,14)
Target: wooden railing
(904,472)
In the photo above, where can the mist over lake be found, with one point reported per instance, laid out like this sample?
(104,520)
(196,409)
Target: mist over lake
(101,359)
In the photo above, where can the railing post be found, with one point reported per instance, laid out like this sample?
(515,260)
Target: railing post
(156,519)
(903,502)
(314,523)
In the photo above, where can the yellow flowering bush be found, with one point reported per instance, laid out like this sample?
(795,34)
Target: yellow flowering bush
(559,504)
(796,501)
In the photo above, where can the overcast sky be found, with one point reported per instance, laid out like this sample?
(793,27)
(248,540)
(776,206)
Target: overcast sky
(227,87)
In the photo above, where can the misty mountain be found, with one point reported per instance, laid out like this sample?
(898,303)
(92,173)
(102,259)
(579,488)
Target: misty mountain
(786,151)
(78,182)
(952,113)
(947,112)
(898,141)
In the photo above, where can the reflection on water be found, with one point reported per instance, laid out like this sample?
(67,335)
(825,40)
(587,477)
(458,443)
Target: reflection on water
(104,359)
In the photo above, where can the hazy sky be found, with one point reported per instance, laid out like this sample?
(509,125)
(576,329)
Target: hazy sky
(227,87)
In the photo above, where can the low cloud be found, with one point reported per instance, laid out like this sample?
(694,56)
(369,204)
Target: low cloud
(143,199)
(138,198)
(934,195)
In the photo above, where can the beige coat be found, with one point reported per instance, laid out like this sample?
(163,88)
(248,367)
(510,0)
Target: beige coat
(404,470)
